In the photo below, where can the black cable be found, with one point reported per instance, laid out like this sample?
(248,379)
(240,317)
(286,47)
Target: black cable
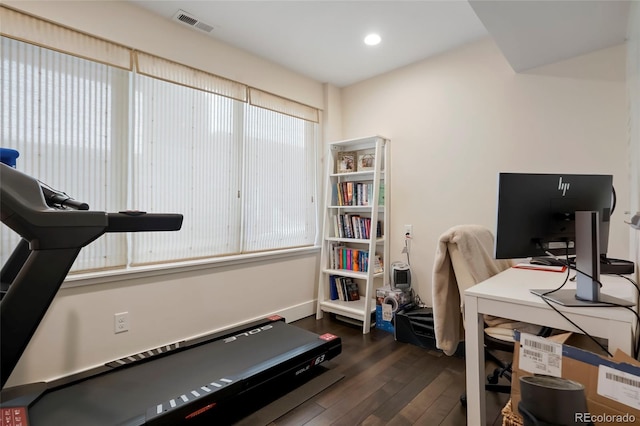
(569,267)
(567,264)
(616,305)
(547,300)
(609,304)
(632,282)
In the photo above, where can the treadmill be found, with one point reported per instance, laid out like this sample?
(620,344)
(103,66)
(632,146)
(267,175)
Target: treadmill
(199,381)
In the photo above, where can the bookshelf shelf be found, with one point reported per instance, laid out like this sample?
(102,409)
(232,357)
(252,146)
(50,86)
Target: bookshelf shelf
(380,208)
(355,309)
(352,274)
(380,240)
(356,175)
(356,215)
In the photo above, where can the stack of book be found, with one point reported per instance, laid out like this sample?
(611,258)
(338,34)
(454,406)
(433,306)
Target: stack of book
(353,259)
(356,194)
(343,288)
(354,226)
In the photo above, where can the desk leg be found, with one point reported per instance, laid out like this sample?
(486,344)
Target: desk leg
(474,352)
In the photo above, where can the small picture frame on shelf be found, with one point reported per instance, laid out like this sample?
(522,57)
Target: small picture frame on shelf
(346,162)
(366,160)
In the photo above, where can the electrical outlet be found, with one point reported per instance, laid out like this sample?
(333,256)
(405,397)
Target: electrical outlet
(121,322)
(408,230)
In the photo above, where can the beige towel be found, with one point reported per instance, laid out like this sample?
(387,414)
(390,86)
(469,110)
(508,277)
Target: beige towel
(475,245)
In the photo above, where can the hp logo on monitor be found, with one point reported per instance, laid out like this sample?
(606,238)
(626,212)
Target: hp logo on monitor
(563,186)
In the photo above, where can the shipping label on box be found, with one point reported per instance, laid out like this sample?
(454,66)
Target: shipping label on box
(619,386)
(538,355)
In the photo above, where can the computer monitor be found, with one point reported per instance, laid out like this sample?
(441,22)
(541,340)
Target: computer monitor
(536,212)
(558,213)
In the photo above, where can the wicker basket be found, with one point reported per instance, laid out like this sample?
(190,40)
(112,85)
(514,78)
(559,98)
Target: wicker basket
(509,418)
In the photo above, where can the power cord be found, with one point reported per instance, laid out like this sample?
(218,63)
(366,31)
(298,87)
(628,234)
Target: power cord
(406,248)
(548,301)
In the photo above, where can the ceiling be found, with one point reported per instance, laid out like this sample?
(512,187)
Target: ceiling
(324,39)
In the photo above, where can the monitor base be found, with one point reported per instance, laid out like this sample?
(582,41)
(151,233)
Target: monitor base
(568,298)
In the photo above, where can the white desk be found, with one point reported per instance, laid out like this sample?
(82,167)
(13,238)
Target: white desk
(507,295)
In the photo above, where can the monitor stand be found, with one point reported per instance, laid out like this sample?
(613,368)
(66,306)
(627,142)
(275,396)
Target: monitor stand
(587,292)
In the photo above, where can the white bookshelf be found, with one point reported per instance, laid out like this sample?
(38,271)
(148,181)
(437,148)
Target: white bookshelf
(370,208)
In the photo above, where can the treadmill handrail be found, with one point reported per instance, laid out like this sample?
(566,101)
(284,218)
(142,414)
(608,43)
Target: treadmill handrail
(54,199)
(26,207)
(134,221)
(55,237)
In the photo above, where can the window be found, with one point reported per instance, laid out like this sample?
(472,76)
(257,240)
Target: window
(58,112)
(242,175)
(279,154)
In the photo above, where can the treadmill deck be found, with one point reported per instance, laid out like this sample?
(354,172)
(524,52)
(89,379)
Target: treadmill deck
(138,393)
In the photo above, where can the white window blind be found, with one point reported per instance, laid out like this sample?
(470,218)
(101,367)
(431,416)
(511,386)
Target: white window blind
(168,139)
(279,182)
(164,69)
(243,176)
(186,159)
(282,105)
(68,119)
(20,26)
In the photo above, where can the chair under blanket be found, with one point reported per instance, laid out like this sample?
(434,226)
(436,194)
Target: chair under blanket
(464,258)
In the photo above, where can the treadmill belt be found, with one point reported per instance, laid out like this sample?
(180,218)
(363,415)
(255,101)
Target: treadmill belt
(124,395)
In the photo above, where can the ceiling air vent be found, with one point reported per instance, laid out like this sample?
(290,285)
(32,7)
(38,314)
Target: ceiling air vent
(190,20)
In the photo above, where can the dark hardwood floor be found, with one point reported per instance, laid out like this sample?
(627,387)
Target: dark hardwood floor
(387,383)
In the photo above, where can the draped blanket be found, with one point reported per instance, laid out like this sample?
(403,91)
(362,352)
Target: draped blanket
(474,245)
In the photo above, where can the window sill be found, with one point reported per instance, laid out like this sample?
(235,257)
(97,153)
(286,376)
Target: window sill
(102,277)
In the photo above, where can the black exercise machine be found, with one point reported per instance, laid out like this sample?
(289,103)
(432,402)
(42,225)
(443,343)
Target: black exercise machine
(179,383)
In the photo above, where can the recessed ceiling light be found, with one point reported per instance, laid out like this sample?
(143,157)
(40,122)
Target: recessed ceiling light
(372,39)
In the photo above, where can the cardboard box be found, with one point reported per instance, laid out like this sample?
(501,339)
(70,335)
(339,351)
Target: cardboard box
(612,385)
(387,302)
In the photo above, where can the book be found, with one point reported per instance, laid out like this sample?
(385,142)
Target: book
(355,219)
(355,263)
(349,199)
(333,290)
(341,232)
(340,287)
(353,291)
(336,226)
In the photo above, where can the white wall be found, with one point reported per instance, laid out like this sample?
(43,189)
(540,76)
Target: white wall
(77,332)
(458,119)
